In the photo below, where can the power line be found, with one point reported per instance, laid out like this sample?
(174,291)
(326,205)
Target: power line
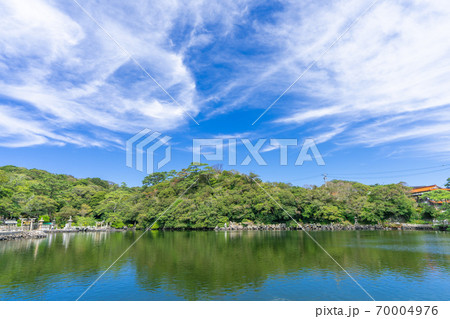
(356,175)
(396,176)
(388,172)
(305,178)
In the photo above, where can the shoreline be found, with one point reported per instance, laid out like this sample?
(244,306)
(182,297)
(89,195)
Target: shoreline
(12,235)
(330,227)
(82,230)
(38,234)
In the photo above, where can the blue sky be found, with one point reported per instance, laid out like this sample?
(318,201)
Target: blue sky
(376,103)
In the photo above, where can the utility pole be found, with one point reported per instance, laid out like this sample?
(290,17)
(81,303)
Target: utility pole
(325,179)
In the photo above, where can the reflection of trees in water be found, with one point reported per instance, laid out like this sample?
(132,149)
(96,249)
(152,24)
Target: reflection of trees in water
(33,265)
(201,265)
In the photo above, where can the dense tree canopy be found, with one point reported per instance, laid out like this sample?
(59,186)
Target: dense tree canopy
(440,209)
(198,197)
(438,195)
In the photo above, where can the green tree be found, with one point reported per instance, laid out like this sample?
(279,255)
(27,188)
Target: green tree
(211,197)
(85,221)
(85,210)
(428,212)
(8,209)
(437,195)
(45,218)
(40,205)
(65,214)
(154,178)
(3,177)
(391,202)
(329,213)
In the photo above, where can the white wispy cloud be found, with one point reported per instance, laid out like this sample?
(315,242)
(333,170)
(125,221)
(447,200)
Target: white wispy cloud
(63,67)
(425,126)
(384,82)
(393,63)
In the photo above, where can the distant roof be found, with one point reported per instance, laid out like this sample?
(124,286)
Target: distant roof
(421,189)
(439,201)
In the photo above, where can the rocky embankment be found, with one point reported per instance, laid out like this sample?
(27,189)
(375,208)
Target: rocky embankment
(83,230)
(334,227)
(35,234)
(343,227)
(416,227)
(22,235)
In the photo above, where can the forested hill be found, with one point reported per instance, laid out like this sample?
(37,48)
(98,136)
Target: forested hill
(212,197)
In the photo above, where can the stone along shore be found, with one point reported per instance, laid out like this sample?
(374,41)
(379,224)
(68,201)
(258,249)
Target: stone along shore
(334,227)
(34,234)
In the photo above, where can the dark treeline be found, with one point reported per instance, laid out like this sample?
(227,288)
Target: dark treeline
(213,197)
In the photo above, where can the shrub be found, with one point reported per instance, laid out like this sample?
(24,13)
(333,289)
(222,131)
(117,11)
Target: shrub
(155,226)
(46,218)
(86,221)
(118,224)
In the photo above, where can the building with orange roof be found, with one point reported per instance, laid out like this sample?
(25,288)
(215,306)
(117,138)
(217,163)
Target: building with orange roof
(418,191)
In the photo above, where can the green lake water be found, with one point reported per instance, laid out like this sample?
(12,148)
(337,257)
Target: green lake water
(254,265)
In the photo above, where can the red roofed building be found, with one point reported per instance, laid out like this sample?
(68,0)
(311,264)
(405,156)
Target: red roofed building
(418,191)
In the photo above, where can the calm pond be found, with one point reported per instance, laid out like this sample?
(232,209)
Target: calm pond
(252,265)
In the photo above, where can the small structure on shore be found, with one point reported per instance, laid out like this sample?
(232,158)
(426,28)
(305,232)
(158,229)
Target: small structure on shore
(27,223)
(69,223)
(11,224)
